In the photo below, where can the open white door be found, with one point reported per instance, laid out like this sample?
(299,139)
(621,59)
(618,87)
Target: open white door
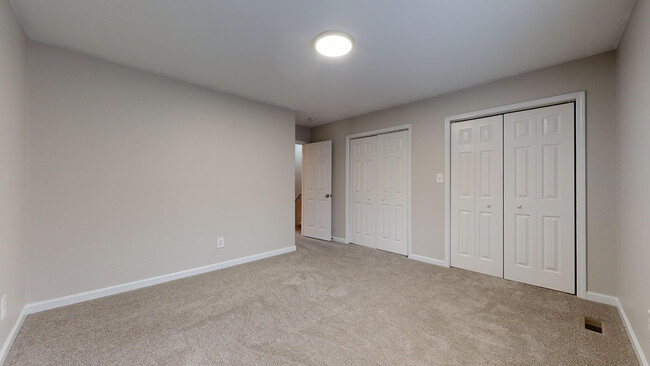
(317,190)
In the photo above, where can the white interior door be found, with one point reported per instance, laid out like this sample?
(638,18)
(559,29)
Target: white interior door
(539,202)
(392,192)
(363,193)
(489,195)
(477,195)
(463,195)
(317,191)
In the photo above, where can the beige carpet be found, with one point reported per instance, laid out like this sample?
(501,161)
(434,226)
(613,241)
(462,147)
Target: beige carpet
(331,304)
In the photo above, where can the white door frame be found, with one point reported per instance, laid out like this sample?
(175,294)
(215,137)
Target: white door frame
(348,139)
(581,173)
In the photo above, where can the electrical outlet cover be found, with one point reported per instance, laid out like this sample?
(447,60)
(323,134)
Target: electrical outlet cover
(220,242)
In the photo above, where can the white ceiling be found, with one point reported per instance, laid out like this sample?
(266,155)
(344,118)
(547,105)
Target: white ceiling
(260,49)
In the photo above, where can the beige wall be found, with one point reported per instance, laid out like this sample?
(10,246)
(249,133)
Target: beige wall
(12,161)
(633,66)
(596,75)
(132,175)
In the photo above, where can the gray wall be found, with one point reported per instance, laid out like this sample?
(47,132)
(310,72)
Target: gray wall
(303,134)
(596,75)
(634,171)
(132,175)
(12,162)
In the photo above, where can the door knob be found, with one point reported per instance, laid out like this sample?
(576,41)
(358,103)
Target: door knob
(518,206)
(488,205)
(328,195)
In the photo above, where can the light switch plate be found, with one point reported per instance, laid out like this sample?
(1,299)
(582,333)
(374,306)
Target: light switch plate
(439,178)
(3,307)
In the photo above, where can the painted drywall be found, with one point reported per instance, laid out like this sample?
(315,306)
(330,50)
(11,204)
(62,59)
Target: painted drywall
(298,175)
(132,175)
(303,134)
(13,60)
(595,75)
(633,115)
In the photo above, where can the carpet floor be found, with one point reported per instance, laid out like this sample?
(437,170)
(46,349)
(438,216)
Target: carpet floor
(327,304)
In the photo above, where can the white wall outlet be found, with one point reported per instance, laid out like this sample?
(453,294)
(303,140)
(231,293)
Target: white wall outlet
(439,178)
(220,243)
(3,307)
(648,320)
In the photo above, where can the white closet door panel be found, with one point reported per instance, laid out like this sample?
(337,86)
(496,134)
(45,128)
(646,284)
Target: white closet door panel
(489,195)
(539,202)
(363,197)
(556,198)
(463,195)
(520,255)
(392,192)
(317,204)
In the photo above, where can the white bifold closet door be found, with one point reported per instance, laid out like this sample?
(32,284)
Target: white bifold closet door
(363,197)
(539,202)
(477,195)
(392,197)
(379,191)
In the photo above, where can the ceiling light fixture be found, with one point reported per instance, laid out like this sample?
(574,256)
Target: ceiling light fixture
(333,43)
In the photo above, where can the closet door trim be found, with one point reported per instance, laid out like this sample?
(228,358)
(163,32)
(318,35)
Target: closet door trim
(580,178)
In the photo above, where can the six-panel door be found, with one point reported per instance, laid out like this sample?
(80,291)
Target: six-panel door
(317,189)
(477,195)
(392,192)
(379,191)
(363,195)
(539,202)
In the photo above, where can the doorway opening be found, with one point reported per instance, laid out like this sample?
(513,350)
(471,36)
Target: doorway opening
(298,187)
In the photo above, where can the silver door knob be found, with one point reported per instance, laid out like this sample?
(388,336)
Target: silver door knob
(328,195)
(488,205)
(518,206)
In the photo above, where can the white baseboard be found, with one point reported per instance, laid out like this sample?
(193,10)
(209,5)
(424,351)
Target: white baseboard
(437,262)
(635,341)
(4,351)
(603,299)
(615,301)
(112,290)
(340,240)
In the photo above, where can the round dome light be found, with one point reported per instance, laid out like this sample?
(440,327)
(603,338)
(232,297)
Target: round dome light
(333,43)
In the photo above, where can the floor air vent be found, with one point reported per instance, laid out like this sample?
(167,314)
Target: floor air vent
(593,324)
